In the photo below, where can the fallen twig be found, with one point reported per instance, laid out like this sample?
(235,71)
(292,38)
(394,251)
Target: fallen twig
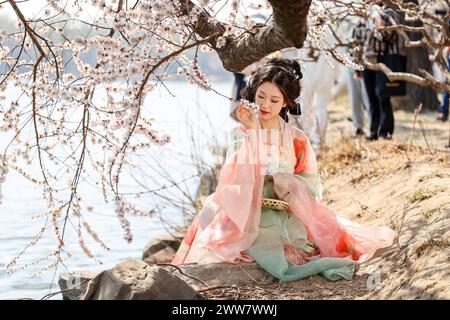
(222,287)
(251,277)
(416,113)
(424,136)
(364,208)
(183,273)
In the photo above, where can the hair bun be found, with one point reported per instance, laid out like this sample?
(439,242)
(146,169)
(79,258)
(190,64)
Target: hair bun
(296,109)
(289,65)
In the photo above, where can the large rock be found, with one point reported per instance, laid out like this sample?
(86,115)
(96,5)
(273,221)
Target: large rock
(74,284)
(224,274)
(136,280)
(161,249)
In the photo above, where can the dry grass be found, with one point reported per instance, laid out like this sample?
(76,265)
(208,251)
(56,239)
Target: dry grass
(400,185)
(361,160)
(421,195)
(441,242)
(428,213)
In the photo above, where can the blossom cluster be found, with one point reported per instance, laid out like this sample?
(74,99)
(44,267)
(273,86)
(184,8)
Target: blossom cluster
(249,105)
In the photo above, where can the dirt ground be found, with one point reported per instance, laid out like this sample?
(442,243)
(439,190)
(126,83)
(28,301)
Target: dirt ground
(393,183)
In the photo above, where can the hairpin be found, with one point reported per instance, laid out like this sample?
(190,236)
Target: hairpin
(295,74)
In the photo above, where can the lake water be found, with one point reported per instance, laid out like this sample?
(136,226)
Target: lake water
(188,108)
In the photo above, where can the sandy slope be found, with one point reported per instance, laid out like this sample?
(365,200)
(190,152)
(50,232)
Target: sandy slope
(407,189)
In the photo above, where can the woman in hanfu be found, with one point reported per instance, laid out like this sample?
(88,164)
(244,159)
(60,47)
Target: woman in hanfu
(268,158)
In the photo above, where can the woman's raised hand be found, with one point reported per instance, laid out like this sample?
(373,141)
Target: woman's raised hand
(246,116)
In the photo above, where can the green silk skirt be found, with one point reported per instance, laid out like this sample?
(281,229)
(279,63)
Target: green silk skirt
(280,227)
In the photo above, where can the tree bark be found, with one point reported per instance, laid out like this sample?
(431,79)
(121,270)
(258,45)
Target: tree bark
(289,29)
(417,60)
(415,94)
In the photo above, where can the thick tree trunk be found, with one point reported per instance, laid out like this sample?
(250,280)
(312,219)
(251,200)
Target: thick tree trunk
(289,29)
(417,60)
(415,94)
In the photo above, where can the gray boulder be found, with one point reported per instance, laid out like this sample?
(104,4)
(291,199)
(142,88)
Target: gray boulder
(136,280)
(73,285)
(161,249)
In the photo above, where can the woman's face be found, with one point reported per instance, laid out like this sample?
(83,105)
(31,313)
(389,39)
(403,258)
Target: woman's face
(269,99)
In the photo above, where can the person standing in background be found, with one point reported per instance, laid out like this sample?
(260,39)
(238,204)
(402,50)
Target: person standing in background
(444,106)
(376,44)
(359,100)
